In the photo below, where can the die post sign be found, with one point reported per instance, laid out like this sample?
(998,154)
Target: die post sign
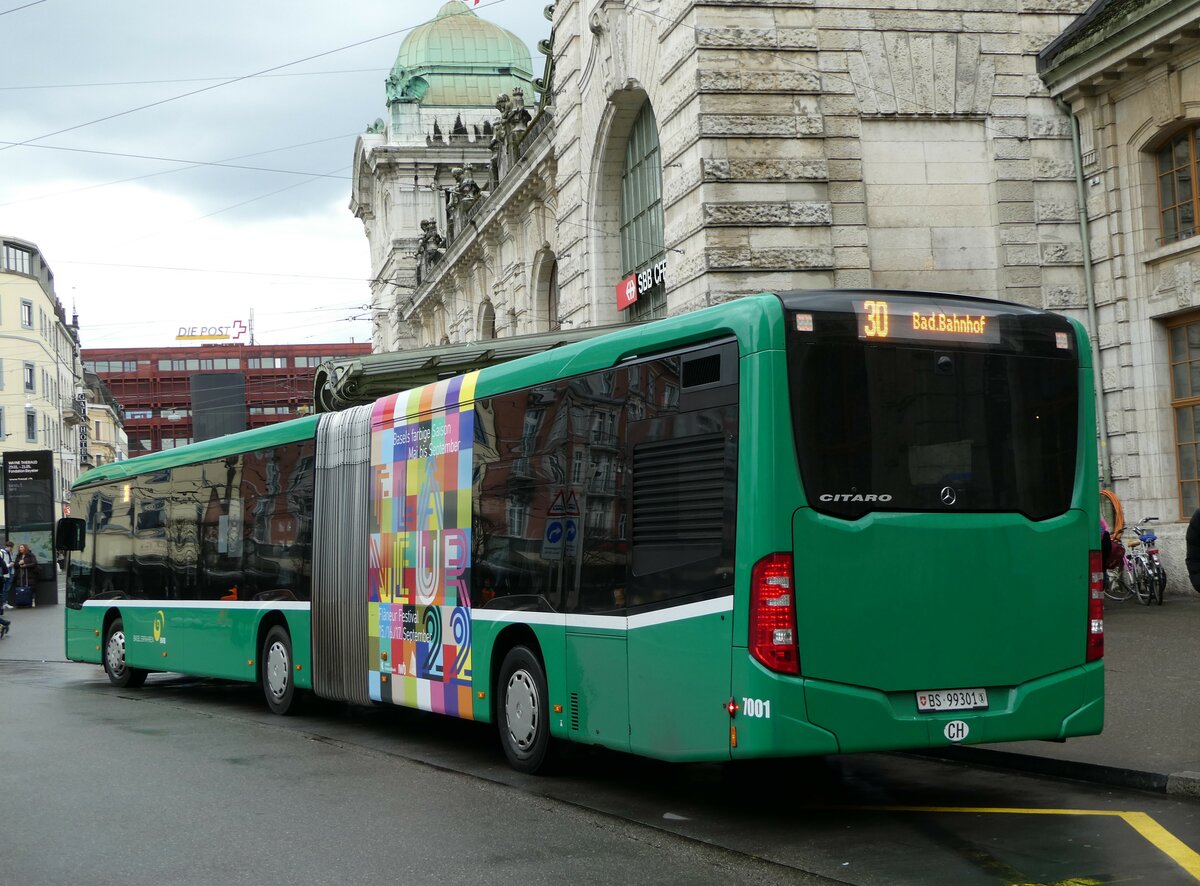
(215,332)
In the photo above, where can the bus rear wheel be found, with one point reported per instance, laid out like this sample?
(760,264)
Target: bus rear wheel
(276,677)
(118,670)
(523,716)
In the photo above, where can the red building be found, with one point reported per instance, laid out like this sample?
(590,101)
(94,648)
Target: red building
(177,395)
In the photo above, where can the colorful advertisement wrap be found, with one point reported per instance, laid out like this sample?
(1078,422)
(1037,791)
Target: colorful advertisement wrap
(420,617)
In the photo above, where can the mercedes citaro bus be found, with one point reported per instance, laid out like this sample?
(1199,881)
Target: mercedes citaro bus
(794,523)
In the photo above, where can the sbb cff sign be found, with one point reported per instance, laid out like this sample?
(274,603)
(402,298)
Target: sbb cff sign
(640,283)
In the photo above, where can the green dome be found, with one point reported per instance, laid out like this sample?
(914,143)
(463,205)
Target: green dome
(458,60)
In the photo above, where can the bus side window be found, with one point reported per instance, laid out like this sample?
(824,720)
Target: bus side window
(683,460)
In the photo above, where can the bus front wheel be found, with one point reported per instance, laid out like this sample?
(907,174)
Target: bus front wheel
(278,683)
(118,670)
(523,716)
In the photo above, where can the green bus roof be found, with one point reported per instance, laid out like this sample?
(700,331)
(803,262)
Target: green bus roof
(748,317)
(231,444)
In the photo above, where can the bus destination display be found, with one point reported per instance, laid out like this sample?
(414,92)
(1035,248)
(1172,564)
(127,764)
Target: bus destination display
(882,320)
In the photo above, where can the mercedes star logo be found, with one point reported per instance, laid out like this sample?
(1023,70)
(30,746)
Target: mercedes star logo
(949,496)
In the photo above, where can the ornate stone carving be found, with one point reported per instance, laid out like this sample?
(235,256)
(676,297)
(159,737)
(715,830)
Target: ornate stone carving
(429,247)
(508,130)
(405,87)
(461,198)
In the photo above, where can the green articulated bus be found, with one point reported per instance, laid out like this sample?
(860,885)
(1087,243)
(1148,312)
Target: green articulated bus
(797,523)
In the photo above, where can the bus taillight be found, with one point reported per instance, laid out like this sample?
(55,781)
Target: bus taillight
(773,614)
(1095,636)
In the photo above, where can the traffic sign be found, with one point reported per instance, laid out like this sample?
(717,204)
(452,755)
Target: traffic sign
(571,537)
(552,540)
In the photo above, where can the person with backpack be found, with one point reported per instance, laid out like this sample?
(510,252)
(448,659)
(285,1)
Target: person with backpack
(8,572)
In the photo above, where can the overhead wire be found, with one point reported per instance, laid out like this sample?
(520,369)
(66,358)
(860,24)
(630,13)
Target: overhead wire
(190,163)
(260,329)
(212,270)
(166,80)
(24,6)
(223,83)
(160,231)
(193,164)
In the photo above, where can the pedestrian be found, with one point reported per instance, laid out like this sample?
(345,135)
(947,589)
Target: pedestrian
(1193,550)
(26,568)
(8,572)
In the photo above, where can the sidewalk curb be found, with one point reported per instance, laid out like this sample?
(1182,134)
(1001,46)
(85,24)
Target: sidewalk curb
(1184,784)
(1178,784)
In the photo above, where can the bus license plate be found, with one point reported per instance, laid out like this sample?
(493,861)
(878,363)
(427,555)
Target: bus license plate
(952,700)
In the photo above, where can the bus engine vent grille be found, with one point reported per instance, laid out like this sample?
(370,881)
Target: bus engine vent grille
(574,711)
(679,491)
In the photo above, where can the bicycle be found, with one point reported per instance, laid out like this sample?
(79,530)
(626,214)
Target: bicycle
(1150,578)
(1119,582)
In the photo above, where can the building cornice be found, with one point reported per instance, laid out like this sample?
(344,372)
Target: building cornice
(1094,59)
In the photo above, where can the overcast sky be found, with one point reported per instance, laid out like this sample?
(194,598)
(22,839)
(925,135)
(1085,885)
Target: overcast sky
(141,247)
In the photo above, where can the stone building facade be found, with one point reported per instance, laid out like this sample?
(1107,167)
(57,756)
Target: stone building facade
(685,152)
(1129,72)
(775,144)
(422,172)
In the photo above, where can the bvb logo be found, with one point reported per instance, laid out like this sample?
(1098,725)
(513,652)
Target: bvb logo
(159,620)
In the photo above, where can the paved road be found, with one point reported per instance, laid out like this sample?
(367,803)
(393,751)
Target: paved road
(1151,738)
(192,781)
(108,787)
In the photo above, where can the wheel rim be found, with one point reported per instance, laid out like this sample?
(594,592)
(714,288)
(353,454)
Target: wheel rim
(114,653)
(278,670)
(521,712)
(1125,584)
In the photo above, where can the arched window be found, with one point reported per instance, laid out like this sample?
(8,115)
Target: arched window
(552,298)
(642,212)
(545,291)
(1178,191)
(487,321)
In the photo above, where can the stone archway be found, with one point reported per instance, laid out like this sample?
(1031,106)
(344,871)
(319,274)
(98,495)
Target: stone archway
(604,201)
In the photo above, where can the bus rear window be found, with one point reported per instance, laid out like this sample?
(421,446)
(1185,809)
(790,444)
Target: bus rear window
(907,427)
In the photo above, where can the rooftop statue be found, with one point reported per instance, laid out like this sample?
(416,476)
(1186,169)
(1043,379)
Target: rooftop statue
(403,86)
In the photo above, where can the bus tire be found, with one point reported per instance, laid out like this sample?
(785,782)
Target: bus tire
(523,715)
(277,673)
(119,672)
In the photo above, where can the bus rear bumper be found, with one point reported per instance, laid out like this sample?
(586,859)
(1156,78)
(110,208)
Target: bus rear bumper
(1069,703)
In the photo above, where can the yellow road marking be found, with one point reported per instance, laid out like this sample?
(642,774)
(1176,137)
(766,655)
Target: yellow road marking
(1154,833)
(1179,852)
